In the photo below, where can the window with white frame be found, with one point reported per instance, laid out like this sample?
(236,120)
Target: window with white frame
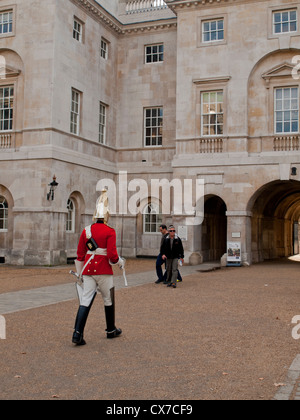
(154,53)
(3,213)
(77,30)
(212,116)
(213,30)
(6,22)
(104,49)
(153,126)
(102,123)
(152,218)
(6,108)
(285,21)
(286,110)
(70,225)
(75,112)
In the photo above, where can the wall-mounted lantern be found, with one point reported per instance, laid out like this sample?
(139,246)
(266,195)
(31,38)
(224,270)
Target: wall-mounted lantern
(52,185)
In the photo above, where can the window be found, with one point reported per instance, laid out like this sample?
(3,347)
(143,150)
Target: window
(77,30)
(286,110)
(213,30)
(151,218)
(102,124)
(153,126)
(212,118)
(75,112)
(285,21)
(3,213)
(154,53)
(6,108)
(104,49)
(70,226)
(6,20)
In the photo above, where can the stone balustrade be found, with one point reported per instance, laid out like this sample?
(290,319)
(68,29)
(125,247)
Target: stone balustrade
(5,140)
(286,143)
(202,145)
(139,6)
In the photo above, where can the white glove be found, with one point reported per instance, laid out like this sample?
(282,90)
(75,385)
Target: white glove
(79,266)
(121,263)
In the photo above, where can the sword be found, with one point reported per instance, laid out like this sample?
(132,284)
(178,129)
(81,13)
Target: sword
(124,272)
(73,273)
(78,285)
(78,277)
(125,279)
(80,282)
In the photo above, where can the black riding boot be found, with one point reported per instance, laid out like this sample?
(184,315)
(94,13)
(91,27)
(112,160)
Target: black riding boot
(111,329)
(81,318)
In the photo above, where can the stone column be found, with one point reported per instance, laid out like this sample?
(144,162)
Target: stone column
(125,226)
(39,237)
(192,240)
(239,230)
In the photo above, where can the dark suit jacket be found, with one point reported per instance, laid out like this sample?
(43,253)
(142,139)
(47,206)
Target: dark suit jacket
(177,248)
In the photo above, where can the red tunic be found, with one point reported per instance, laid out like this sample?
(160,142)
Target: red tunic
(105,237)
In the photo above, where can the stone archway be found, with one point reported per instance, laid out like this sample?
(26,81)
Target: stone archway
(214,229)
(6,236)
(12,77)
(72,236)
(275,211)
(272,71)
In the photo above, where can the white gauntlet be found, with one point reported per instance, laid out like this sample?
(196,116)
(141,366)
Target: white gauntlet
(79,267)
(120,262)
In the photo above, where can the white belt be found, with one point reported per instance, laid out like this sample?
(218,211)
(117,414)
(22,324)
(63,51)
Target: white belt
(98,251)
(101,251)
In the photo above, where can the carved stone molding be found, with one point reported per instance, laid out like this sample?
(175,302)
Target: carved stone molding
(176,5)
(118,27)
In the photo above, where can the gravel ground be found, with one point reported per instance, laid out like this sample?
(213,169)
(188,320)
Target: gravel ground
(25,278)
(222,335)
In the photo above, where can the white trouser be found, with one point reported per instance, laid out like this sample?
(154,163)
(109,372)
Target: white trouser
(92,284)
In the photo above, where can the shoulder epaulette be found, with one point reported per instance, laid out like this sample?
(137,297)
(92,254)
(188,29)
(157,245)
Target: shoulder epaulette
(88,231)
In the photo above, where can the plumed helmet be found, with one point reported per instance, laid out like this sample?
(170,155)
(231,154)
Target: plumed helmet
(102,210)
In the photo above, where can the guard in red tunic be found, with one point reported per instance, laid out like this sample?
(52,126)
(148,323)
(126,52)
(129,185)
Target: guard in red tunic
(96,253)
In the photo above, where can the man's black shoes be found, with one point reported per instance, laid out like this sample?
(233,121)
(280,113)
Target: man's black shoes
(114,333)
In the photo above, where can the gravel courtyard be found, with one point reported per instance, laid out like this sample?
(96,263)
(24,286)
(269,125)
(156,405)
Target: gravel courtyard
(225,334)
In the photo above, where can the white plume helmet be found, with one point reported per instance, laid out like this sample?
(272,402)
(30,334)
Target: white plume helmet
(102,209)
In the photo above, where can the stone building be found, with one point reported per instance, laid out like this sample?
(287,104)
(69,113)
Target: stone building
(123,92)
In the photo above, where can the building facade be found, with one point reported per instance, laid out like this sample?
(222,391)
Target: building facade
(125,92)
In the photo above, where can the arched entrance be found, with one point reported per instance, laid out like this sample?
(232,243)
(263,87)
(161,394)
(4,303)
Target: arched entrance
(275,216)
(6,223)
(214,229)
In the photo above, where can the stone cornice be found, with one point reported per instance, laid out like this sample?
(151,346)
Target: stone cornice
(100,14)
(149,26)
(221,79)
(6,72)
(176,5)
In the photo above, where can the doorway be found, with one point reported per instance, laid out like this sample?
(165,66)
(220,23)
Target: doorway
(214,229)
(275,215)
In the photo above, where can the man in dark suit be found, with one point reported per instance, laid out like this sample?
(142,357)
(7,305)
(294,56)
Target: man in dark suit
(159,261)
(171,251)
